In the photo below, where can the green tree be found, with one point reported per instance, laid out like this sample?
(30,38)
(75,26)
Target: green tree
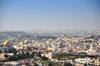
(35,64)
(85,64)
(28,48)
(32,54)
(27,54)
(39,54)
(19,53)
(19,57)
(15,52)
(11,58)
(6,56)
(14,58)
(44,58)
(58,58)
(52,64)
(67,64)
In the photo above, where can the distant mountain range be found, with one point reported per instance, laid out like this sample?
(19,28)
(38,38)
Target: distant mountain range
(68,31)
(60,32)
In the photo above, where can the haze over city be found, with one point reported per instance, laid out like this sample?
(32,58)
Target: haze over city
(49,15)
(49,32)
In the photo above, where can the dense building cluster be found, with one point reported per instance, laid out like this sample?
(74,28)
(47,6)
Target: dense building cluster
(52,46)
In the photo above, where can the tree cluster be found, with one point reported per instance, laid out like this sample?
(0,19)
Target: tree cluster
(22,56)
(10,50)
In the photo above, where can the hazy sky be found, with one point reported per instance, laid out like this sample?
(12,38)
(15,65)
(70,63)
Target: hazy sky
(49,14)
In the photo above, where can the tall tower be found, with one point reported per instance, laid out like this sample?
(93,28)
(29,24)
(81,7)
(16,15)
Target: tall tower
(91,47)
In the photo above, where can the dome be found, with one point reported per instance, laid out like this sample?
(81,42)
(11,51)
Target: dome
(6,43)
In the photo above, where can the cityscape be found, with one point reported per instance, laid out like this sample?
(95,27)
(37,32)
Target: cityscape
(49,32)
(20,48)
